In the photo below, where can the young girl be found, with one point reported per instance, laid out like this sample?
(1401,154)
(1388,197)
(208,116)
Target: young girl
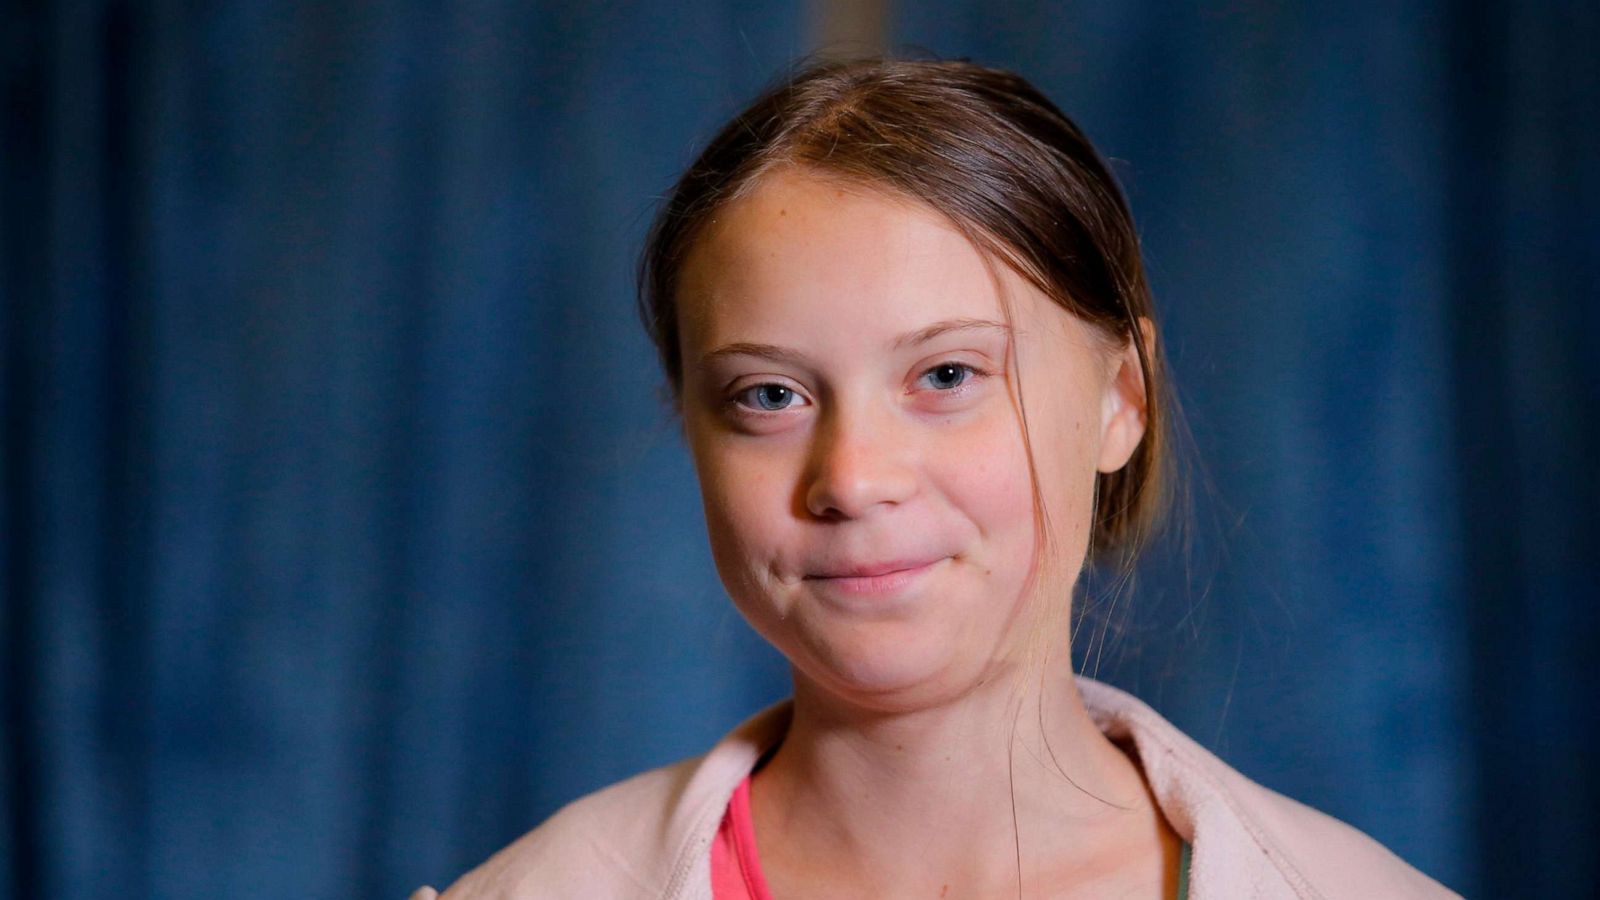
(904,319)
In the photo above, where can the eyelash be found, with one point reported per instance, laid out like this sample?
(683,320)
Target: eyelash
(959,390)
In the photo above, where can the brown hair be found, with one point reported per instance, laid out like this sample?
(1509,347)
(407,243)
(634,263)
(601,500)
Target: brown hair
(999,160)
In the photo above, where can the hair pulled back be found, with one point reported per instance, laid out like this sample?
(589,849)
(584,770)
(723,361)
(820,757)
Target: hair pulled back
(987,150)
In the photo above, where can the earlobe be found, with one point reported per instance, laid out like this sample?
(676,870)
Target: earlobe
(1123,407)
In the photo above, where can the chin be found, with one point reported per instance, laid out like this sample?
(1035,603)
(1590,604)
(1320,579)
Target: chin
(886,670)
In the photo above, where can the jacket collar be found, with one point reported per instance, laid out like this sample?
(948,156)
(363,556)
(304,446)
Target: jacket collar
(1232,855)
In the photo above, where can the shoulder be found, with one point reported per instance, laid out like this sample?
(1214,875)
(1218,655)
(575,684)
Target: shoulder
(1324,856)
(616,836)
(648,836)
(1248,840)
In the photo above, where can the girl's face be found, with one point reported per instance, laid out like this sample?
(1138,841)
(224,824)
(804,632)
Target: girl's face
(851,409)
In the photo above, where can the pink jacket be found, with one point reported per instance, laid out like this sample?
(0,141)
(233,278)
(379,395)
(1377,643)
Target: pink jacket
(650,836)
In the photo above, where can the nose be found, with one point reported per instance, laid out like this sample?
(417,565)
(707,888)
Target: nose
(858,464)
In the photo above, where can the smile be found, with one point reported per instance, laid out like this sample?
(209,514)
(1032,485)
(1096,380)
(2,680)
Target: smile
(878,580)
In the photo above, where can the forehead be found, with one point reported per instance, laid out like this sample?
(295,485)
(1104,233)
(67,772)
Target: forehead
(805,256)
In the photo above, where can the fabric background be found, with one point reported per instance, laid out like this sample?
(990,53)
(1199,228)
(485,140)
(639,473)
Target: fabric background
(345,536)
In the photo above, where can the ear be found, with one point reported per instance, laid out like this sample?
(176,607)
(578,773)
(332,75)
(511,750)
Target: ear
(1122,407)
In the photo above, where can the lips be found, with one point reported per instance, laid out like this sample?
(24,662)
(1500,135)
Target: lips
(872,580)
(872,569)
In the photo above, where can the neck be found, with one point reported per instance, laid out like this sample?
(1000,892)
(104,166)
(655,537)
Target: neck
(964,792)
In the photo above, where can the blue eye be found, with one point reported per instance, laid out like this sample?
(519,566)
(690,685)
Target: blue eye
(767,397)
(947,376)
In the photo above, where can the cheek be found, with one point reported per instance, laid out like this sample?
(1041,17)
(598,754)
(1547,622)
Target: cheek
(982,471)
(986,473)
(746,498)
(744,495)
(1067,476)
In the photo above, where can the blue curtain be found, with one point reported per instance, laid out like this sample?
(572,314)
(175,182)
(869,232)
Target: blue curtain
(346,536)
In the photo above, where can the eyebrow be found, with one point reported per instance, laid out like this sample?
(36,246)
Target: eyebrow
(910,339)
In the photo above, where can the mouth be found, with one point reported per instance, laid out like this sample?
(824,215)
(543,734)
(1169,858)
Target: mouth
(872,579)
